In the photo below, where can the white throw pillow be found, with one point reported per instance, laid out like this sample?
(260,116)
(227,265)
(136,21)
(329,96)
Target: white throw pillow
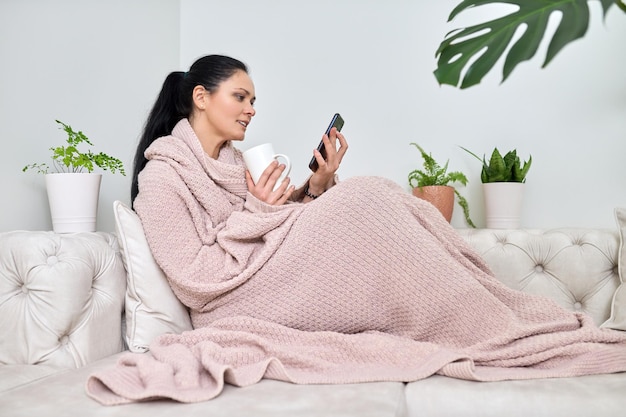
(617,320)
(152,308)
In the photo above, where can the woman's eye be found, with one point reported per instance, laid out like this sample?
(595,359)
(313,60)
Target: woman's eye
(239,97)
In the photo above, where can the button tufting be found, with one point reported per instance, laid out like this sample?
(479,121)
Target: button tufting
(47,289)
(539,268)
(578,306)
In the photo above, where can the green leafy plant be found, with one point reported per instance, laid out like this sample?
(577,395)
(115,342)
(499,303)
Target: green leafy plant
(435,174)
(70,159)
(487,42)
(507,168)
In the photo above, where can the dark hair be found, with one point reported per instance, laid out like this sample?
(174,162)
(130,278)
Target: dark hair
(175,102)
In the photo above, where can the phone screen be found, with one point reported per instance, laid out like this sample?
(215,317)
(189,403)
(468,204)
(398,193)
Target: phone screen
(337,121)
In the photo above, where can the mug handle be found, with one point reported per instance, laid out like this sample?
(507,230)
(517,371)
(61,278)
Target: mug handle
(287,164)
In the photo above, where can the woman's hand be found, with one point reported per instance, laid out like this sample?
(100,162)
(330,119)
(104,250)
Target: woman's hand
(323,178)
(264,188)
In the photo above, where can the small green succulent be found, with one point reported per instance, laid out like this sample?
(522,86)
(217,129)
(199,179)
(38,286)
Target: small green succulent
(507,168)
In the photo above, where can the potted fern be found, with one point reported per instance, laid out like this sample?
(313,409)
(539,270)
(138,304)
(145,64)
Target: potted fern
(74,189)
(432,184)
(503,179)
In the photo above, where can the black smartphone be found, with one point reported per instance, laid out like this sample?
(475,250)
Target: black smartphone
(337,122)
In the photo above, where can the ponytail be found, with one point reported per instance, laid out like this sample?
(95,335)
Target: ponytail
(175,103)
(161,120)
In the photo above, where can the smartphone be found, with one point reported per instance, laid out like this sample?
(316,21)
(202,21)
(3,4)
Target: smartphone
(337,121)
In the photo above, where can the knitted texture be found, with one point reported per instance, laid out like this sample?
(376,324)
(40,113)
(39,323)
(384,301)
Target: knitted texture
(366,283)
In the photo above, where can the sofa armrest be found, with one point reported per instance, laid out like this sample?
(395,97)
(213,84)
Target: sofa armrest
(575,267)
(61,298)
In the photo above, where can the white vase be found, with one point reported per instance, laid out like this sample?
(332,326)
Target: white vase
(73,199)
(503,204)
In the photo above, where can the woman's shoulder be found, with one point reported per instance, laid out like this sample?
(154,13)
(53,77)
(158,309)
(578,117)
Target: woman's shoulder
(180,145)
(170,147)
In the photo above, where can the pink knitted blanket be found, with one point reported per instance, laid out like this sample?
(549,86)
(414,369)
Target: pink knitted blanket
(366,283)
(241,351)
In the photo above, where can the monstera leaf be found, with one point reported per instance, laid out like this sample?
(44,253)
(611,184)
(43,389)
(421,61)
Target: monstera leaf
(485,43)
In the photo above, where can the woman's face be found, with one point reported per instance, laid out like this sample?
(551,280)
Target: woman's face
(229,109)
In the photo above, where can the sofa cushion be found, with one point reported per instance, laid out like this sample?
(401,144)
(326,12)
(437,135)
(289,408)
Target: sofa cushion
(151,307)
(617,320)
(61,298)
(13,376)
(584,396)
(63,394)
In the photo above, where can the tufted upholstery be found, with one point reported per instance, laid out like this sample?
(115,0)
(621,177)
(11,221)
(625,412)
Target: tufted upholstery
(577,268)
(61,298)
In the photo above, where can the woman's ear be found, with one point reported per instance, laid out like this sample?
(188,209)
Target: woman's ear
(200,97)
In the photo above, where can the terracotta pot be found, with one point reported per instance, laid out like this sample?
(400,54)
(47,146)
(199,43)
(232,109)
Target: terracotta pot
(440,196)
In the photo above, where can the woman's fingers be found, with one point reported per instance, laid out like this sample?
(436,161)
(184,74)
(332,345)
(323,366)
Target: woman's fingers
(249,181)
(334,155)
(264,187)
(343,145)
(272,172)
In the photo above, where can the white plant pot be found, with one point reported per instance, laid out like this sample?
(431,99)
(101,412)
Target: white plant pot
(503,204)
(73,199)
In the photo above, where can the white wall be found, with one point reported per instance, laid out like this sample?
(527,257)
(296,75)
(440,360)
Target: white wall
(92,64)
(99,65)
(372,61)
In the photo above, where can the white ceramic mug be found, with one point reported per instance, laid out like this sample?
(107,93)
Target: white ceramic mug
(257,159)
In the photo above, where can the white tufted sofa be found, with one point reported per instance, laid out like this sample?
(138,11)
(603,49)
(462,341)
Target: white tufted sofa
(61,305)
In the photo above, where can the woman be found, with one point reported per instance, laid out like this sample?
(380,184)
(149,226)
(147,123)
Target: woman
(334,282)
(187,95)
(226,243)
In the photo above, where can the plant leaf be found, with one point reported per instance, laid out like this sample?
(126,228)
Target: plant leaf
(573,26)
(488,41)
(606,5)
(463,203)
(510,160)
(497,168)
